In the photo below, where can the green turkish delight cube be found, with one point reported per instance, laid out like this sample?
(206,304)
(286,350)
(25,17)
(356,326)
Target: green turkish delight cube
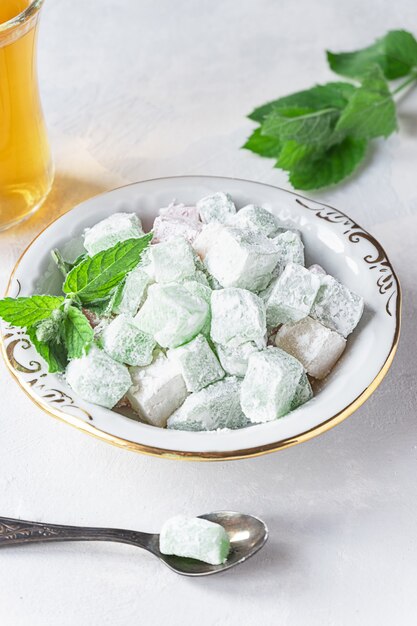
(126,343)
(118,227)
(198,363)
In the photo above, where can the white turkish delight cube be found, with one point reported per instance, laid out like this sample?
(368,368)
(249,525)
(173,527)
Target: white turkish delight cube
(157,390)
(172,314)
(173,260)
(198,363)
(105,234)
(290,297)
(206,238)
(241,258)
(336,306)
(126,343)
(237,316)
(270,383)
(218,207)
(177,220)
(98,378)
(315,346)
(215,406)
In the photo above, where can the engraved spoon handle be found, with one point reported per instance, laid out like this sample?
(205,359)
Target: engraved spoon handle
(16,532)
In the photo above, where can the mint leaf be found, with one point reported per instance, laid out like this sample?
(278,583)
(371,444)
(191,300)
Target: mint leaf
(95,277)
(291,153)
(330,167)
(395,53)
(263,145)
(302,125)
(335,95)
(371,110)
(76,332)
(26,312)
(53,353)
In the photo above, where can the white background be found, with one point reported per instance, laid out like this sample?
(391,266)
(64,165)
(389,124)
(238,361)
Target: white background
(141,89)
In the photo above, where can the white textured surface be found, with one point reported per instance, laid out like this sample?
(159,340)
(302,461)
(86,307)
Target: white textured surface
(138,90)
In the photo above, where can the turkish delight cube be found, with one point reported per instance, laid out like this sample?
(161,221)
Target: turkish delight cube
(218,207)
(241,258)
(315,346)
(291,295)
(234,360)
(336,306)
(172,315)
(290,248)
(215,406)
(302,394)
(198,363)
(195,538)
(157,390)
(98,378)
(177,220)
(256,218)
(270,384)
(206,238)
(133,292)
(126,343)
(237,316)
(173,260)
(118,227)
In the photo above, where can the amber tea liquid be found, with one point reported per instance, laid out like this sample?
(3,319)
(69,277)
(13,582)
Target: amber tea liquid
(25,159)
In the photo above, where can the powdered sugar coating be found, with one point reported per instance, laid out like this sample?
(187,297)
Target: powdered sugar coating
(255,217)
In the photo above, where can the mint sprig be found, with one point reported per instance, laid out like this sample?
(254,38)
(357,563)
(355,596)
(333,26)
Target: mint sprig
(95,277)
(321,135)
(56,325)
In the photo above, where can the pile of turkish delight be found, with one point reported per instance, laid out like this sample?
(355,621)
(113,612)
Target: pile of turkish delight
(220,325)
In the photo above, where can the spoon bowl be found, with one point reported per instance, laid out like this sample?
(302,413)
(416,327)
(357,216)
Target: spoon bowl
(247,534)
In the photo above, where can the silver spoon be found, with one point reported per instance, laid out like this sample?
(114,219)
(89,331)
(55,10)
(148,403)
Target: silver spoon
(247,535)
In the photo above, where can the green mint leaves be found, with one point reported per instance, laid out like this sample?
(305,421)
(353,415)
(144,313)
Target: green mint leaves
(395,54)
(77,332)
(26,312)
(320,135)
(95,277)
(56,325)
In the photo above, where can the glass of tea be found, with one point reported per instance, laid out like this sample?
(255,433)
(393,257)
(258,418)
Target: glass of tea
(26,170)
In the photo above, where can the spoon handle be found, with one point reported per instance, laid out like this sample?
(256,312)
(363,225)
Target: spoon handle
(15,532)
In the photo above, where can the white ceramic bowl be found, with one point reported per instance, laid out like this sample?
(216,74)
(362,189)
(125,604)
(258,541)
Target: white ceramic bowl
(331,238)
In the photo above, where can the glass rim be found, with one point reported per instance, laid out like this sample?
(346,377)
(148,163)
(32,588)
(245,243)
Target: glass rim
(22,17)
